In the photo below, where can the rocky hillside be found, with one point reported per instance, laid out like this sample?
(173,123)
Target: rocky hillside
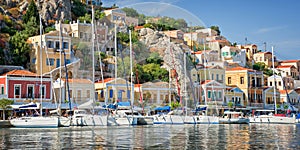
(172,53)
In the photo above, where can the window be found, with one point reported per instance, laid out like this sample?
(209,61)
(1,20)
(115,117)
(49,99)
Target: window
(229,80)
(57,44)
(279,83)
(217,77)
(65,45)
(71,94)
(17,90)
(33,60)
(222,77)
(2,89)
(271,83)
(43,90)
(57,63)
(50,62)
(30,89)
(208,94)
(81,35)
(212,76)
(220,94)
(88,93)
(50,44)
(241,80)
(79,94)
(68,61)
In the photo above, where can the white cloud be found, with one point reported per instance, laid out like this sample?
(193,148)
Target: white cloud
(269,29)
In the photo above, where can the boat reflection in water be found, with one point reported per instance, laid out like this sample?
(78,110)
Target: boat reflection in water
(165,136)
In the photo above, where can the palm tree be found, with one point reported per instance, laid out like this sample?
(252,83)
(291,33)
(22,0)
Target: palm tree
(5,104)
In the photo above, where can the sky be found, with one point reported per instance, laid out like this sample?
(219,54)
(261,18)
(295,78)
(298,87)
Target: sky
(275,22)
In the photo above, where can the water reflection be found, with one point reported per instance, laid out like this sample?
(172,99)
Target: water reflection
(253,136)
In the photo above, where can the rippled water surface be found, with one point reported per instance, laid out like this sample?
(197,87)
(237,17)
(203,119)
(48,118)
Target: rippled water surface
(253,136)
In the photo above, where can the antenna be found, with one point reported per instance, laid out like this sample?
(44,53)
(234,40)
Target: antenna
(265,43)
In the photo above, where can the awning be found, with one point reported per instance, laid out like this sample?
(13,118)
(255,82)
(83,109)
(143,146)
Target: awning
(26,106)
(164,108)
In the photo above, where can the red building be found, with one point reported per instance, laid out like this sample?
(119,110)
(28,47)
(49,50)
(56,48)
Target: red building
(25,86)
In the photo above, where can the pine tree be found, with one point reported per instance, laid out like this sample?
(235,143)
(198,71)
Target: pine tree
(31,11)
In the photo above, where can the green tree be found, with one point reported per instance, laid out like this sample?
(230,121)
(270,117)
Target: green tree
(154,58)
(131,12)
(31,28)
(31,11)
(19,49)
(5,104)
(174,105)
(216,28)
(78,9)
(99,15)
(87,17)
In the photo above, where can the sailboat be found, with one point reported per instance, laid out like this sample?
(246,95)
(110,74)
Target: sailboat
(271,116)
(39,121)
(80,116)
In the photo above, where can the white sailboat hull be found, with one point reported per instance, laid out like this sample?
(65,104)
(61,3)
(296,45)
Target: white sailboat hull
(207,119)
(90,120)
(189,120)
(234,120)
(168,119)
(273,119)
(35,122)
(64,121)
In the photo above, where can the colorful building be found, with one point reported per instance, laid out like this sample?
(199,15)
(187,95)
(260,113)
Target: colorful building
(24,86)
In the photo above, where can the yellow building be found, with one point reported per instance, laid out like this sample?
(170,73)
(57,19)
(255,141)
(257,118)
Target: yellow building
(216,73)
(234,94)
(111,90)
(51,48)
(264,57)
(249,81)
(155,93)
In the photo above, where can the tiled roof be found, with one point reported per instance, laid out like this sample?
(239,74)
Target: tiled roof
(238,68)
(284,91)
(205,82)
(105,80)
(287,66)
(137,85)
(289,61)
(21,73)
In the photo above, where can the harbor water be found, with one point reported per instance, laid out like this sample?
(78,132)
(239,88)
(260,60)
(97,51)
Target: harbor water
(222,136)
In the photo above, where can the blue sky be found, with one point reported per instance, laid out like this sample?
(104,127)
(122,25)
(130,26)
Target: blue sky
(275,22)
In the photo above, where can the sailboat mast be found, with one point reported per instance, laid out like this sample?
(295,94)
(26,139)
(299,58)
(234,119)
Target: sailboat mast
(93,55)
(60,62)
(131,73)
(205,95)
(274,80)
(184,88)
(41,67)
(116,61)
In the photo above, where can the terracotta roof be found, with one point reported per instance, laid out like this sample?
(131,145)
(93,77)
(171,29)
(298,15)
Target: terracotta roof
(287,66)
(205,82)
(284,91)
(87,81)
(105,80)
(290,61)
(21,73)
(137,85)
(238,68)
(198,52)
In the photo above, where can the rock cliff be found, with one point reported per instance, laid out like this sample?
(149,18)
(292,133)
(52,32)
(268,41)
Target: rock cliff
(173,56)
(51,9)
